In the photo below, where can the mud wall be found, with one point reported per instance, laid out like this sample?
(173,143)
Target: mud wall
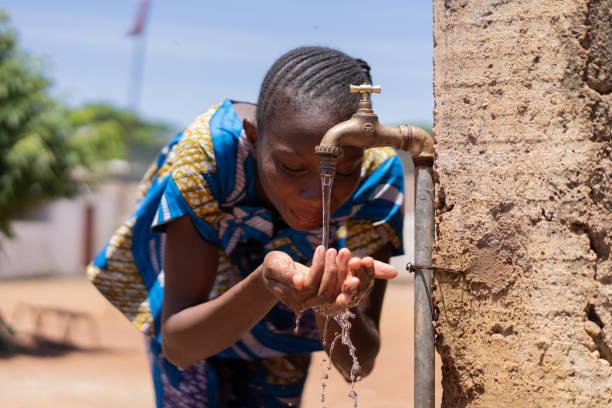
(522,122)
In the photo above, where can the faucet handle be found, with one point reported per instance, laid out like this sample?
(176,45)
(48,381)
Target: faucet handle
(365,89)
(365,105)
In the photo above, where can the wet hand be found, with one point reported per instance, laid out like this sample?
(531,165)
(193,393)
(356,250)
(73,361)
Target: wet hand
(362,273)
(299,286)
(333,282)
(356,277)
(283,277)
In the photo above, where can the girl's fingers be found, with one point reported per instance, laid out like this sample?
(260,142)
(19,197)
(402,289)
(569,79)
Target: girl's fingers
(327,289)
(368,270)
(311,282)
(280,289)
(363,269)
(368,265)
(355,265)
(343,299)
(384,271)
(350,285)
(381,269)
(342,261)
(284,291)
(279,267)
(298,281)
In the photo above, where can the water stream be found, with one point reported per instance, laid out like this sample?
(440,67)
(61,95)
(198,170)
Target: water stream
(342,318)
(326,186)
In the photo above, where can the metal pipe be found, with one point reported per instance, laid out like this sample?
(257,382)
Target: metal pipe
(424,358)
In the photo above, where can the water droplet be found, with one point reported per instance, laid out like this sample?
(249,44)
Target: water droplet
(298,317)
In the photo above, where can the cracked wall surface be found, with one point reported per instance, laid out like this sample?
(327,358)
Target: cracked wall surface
(522,123)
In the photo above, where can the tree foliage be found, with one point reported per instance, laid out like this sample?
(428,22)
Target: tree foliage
(42,142)
(35,156)
(103,132)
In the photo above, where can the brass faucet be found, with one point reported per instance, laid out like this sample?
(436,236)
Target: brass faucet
(363,130)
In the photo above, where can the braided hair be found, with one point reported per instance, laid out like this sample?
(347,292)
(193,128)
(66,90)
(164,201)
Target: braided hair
(312,78)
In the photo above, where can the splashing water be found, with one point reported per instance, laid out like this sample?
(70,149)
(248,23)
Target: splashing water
(298,317)
(342,318)
(325,330)
(325,368)
(324,376)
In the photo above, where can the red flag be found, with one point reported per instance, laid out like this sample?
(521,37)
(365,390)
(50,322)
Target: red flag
(141,18)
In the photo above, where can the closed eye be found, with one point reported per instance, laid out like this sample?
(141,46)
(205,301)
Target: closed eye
(345,174)
(295,170)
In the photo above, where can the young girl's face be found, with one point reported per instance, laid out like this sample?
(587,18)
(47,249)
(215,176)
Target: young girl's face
(288,168)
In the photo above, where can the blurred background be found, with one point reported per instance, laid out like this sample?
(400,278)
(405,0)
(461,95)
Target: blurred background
(89,92)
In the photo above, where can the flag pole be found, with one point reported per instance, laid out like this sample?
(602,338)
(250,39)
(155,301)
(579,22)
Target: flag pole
(139,34)
(137,71)
(139,37)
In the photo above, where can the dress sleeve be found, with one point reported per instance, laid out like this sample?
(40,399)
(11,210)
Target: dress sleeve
(129,269)
(377,207)
(189,184)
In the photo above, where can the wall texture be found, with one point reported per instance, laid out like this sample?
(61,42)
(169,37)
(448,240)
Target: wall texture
(522,122)
(52,241)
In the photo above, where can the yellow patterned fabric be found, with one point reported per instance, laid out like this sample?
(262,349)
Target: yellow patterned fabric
(373,158)
(193,157)
(120,281)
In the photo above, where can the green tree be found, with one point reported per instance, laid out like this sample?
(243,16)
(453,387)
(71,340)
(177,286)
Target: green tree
(42,142)
(103,132)
(35,154)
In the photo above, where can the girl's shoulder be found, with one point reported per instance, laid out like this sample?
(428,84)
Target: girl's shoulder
(212,147)
(207,168)
(212,136)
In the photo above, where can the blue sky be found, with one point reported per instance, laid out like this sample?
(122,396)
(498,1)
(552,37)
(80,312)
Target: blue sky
(200,52)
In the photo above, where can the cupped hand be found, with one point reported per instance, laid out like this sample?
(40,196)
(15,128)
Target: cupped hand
(299,286)
(284,278)
(334,281)
(363,272)
(357,279)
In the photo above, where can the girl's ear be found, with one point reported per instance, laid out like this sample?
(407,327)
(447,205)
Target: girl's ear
(250,129)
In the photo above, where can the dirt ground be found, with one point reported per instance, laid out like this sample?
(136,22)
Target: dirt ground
(106,364)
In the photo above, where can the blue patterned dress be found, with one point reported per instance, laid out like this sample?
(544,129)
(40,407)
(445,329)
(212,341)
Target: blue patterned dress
(207,172)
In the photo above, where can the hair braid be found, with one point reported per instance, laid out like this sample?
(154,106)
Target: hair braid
(312,78)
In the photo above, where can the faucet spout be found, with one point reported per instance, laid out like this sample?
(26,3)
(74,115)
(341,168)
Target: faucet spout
(364,130)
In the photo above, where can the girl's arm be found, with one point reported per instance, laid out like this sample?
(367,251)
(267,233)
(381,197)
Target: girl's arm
(364,331)
(193,327)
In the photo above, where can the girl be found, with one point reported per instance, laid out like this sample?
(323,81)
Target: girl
(213,263)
